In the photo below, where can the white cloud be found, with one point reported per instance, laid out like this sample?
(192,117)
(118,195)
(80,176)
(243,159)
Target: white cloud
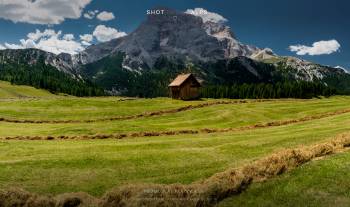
(105,16)
(86,39)
(27,43)
(104,34)
(90,14)
(317,48)
(13,46)
(55,42)
(85,43)
(38,34)
(57,46)
(41,11)
(68,37)
(50,41)
(206,15)
(102,16)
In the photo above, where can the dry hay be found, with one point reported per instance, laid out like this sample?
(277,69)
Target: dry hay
(222,185)
(137,116)
(21,198)
(199,194)
(181,132)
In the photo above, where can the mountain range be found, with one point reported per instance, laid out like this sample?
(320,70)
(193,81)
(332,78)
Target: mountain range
(143,62)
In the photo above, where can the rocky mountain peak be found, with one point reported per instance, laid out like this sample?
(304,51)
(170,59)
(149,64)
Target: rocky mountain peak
(63,62)
(218,30)
(175,35)
(264,54)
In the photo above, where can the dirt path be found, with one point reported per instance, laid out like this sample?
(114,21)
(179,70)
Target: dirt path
(182,132)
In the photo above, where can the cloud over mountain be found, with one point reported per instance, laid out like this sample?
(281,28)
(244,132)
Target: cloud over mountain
(50,41)
(206,15)
(86,39)
(56,42)
(317,48)
(2,47)
(104,34)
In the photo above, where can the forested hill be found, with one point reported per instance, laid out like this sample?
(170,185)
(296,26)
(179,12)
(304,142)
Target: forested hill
(21,70)
(239,77)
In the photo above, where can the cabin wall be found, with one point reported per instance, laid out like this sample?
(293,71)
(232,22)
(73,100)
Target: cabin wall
(187,92)
(175,92)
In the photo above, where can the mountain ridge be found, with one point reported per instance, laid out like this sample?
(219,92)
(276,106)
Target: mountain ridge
(184,37)
(163,46)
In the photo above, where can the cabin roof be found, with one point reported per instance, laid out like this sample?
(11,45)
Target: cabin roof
(180,79)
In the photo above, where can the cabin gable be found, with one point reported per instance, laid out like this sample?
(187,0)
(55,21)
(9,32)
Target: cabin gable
(185,87)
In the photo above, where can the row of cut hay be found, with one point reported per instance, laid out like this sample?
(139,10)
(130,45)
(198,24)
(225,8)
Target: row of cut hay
(182,132)
(19,198)
(137,116)
(199,194)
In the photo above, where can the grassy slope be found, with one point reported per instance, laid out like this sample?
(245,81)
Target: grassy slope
(13,91)
(95,166)
(71,108)
(98,165)
(221,116)
(320,183)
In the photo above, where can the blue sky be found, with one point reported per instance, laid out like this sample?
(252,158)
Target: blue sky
(276,24)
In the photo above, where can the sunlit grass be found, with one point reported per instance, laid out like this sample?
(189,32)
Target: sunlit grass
(321,183)
(98,165)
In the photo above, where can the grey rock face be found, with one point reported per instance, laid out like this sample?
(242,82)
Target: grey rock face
(96,52)
(63,62)
(308,71)
(228,41)
(175,35)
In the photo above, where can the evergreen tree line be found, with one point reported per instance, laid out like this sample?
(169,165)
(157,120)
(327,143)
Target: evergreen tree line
(301,89)
(40,75)
(110,74)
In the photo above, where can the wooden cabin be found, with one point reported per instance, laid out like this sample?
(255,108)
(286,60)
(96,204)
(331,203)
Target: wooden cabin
(185,87)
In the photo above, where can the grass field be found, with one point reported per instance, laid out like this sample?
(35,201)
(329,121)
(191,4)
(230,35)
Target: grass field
(320,183)
(219,116)
(12,91)
(96,166)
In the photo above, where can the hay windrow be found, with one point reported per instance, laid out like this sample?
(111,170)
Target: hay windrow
(137,116)
(199,194)
(181,132)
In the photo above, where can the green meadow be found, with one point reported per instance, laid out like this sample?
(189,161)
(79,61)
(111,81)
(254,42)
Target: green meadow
(96,166)
(321,183)
(8,91)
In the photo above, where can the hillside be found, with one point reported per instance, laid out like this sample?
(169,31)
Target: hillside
(7,90)
(292,67)
(35,68)
(96,142)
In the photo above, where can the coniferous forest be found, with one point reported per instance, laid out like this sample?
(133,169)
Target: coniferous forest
(300,89)
(41,75)
(108,74)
